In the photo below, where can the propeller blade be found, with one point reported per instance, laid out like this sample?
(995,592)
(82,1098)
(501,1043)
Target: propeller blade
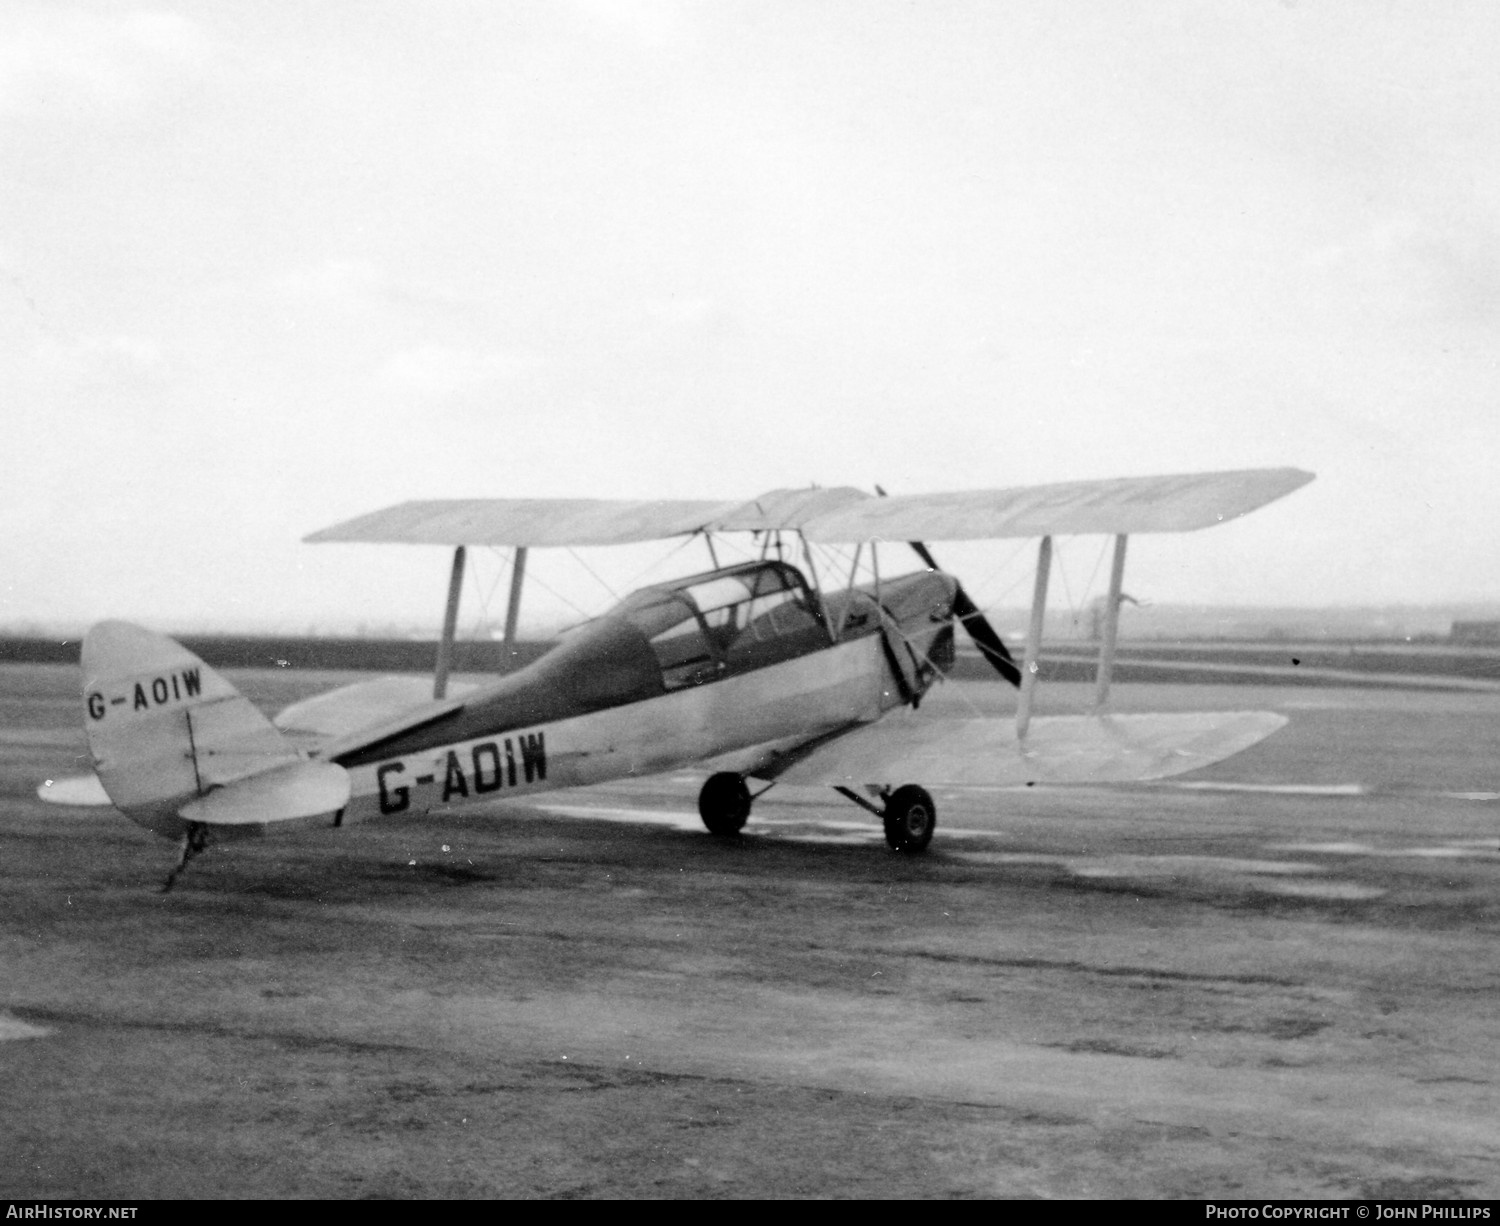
(974,621)
(984,636)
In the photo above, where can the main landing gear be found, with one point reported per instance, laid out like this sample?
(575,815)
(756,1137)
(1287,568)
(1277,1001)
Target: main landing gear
(724,803)
(909,816)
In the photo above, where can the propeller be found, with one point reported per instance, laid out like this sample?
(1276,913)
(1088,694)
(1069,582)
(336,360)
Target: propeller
(974,621)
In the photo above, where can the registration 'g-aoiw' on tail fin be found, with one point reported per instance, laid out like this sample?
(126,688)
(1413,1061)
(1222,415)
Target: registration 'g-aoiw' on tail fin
(167,734)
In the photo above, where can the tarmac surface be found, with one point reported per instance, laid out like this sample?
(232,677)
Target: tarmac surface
(1275,978)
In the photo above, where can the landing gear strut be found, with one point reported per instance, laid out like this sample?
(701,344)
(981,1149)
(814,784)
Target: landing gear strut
(724,803)
(909,816)
(194,840)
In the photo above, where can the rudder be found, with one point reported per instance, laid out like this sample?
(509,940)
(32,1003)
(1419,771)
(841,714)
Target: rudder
(164,728)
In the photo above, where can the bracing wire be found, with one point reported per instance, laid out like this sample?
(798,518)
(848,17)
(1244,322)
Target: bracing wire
(1098,562)
(733,542)
(834,559)
(484,622)
(1075,608)
(630,585)
(613,595)
(552,591)
(1009,591)
(1104,543)
(1060,565)
(1005,563)
(635,582)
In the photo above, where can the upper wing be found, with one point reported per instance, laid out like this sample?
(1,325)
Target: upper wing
(841,514)
(524,521)
(580,521)
(1124,505)
(1058,749)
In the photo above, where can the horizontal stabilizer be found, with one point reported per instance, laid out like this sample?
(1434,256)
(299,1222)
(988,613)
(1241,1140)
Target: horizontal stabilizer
(84,791)
(300,789)
(907,748)
(352,707)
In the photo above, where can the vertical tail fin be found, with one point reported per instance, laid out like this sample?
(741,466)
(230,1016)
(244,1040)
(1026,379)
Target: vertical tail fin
(165,729)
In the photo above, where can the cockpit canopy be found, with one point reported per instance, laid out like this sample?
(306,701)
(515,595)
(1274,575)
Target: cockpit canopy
(726,621)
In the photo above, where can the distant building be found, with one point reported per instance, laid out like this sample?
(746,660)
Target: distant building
(1475,632)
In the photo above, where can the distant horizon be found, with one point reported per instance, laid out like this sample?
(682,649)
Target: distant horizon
(1234,620)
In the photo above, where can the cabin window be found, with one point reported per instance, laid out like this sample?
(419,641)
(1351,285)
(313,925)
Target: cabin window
(779,606)
(772,621)
(723,603)
(778,613)
(727,623)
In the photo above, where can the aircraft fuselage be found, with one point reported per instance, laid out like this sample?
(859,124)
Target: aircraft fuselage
(636,693)
(806,698)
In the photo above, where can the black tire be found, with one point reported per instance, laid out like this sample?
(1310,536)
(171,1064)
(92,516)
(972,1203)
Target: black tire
(910,818)
(724,803)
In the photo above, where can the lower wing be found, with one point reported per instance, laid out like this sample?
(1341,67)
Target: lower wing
(907,748)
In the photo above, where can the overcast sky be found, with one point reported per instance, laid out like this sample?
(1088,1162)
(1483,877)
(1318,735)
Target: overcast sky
(265,266)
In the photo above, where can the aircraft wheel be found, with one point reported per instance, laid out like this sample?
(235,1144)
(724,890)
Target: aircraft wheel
(910,818)
(724,803)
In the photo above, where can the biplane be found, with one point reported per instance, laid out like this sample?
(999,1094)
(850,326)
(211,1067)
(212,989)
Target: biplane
(759,672)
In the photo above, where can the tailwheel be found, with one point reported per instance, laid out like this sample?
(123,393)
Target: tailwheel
(724,803)
(910,817)
(194,840)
